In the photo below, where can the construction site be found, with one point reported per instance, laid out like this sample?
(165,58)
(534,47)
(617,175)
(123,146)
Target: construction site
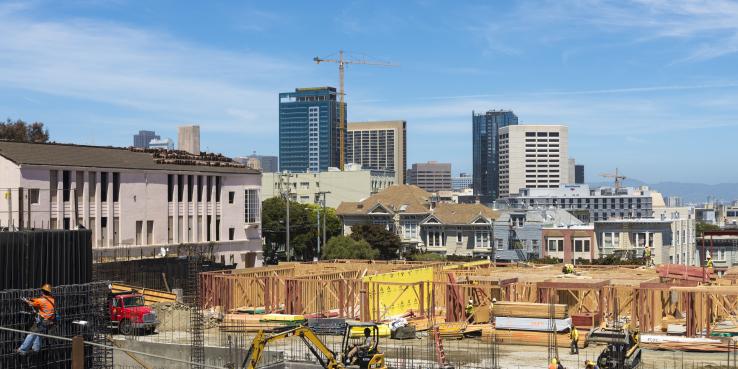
(438,315)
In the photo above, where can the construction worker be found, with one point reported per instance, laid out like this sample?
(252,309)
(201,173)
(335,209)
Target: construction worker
(568,269)
(574,335)
(709,261)
(647,256)
(470,311)
(553,363)
(353,354)
(45,308)
(492,311)
(589,364)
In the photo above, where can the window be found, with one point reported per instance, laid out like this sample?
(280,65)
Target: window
(481,239)
(150,232)
(170,187)
(104,187)
(92,179)
(217,227)
(170,230)
(208,222)
(180,187)
(436,238)
(643,239)
(65,186)
(209,188)
(581,245)
(139,231)
(218,184)
(116,187)
(103,230)
(555,244)
(79,184)
(231,197)
(67,223)
(33,195)
(252,204)
(190,187)
(459,237)
(231,233)
(410,230)
(116,231)
(610,239)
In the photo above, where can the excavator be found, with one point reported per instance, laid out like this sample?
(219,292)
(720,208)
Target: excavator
(365,357)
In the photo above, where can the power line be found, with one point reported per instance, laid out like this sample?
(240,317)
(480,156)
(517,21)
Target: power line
(113,347)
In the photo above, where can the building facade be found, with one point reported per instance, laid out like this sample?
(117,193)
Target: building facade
(521,230)
(579,174)
(532,156)
(264,163)
(133,201)
(591,204)
(142,139)
(485,146)
(431,176)
(343,186)
(462,182)
(722,246)
(188,139)
(309,130)
(570,243)
(165,144)
(424,224)
(379,145)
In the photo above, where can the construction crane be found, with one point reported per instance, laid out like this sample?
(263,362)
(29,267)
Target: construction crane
(341,61)
(619,178)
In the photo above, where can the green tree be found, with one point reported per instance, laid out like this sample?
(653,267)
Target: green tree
(342,247)
(703,227)
(21,131)
(379,237)
(303,227)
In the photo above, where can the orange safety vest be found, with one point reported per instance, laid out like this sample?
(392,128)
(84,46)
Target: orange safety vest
(45,306)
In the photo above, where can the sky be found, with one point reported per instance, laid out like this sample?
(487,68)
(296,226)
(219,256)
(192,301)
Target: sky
(647,86)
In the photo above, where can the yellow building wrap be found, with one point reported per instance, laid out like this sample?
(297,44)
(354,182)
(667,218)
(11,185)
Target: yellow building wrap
(397,299)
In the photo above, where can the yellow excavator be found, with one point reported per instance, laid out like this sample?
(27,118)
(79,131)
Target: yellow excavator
(365,355)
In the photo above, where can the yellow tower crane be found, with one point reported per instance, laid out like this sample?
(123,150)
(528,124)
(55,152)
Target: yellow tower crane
(619,178)
(341,61)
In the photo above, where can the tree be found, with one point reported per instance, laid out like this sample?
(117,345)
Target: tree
(342,247)
(303,227)
(703,227)
(21,131)
(379,237)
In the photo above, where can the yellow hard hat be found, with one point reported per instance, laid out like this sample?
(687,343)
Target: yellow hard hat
(553,361)
(46,287)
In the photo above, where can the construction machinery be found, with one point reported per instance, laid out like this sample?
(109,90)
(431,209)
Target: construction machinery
(366,357)
(617,177)
(341,61)
(622,351)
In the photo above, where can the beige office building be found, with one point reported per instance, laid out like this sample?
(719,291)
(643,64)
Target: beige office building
(379,145)
(533,156)
(188,139)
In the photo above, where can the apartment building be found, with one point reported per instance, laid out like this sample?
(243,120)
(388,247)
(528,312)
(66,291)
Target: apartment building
(354,184)
(141,202)
(532,156)
(380,145)
(431,176)
(590,204)
(521,230)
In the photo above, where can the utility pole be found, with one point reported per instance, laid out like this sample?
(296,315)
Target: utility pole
(317,236)
(325,216)
(284,190)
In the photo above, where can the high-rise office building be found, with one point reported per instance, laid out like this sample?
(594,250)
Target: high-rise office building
(264,163)
(485,148)
(572,171)
(579,174)
(378,146)
(463,181)
(309,130)
(143,138)
(431,176)
(188,139)
(533,156)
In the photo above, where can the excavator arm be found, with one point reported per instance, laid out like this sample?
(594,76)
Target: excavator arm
(311,340)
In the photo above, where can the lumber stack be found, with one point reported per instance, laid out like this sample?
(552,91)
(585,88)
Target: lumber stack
(150,296)
(524,338)
(528,310)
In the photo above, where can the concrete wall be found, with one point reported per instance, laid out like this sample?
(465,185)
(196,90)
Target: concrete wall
(349,186)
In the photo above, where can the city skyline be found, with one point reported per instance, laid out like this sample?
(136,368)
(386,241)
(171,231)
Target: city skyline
(640,85)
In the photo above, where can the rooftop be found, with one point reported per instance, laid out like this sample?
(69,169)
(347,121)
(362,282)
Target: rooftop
(397,198)
(70,155)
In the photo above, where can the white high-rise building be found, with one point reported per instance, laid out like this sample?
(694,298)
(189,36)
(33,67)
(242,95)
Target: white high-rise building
(378,146)
(189,139)
(533,156)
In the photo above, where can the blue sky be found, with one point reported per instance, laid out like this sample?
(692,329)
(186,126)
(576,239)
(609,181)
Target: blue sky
(649,86)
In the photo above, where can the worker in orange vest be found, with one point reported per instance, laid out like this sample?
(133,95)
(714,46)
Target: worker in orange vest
(45,308)
(553,363)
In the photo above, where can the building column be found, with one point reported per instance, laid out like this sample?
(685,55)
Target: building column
(175,203)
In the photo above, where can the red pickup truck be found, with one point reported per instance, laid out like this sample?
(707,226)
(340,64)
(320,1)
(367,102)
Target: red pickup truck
(129,314)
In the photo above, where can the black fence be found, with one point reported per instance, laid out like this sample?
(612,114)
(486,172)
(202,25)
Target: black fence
(165,273)
(74,304)
(31,258)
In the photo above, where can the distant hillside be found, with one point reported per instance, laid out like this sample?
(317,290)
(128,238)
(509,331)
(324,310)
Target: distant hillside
(689,192)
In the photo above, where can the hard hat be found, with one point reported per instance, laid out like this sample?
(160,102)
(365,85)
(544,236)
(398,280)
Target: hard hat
(553,361)
(46,287)
(471,301)
(494,299)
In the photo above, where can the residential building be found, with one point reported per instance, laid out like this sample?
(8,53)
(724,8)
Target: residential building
(424,224)
(135,202)
(518,232)
(674,201)
(431,176)
(485,146)
(463,181)
(142,139)
(731,216)
(264,163)
(532,156)
(165,144)
(579,174)
(570,243)
(309,130)
(188,139)
(379,145)
(707,214)
(343,186)
(670,235)
(591,204)
(722,246)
